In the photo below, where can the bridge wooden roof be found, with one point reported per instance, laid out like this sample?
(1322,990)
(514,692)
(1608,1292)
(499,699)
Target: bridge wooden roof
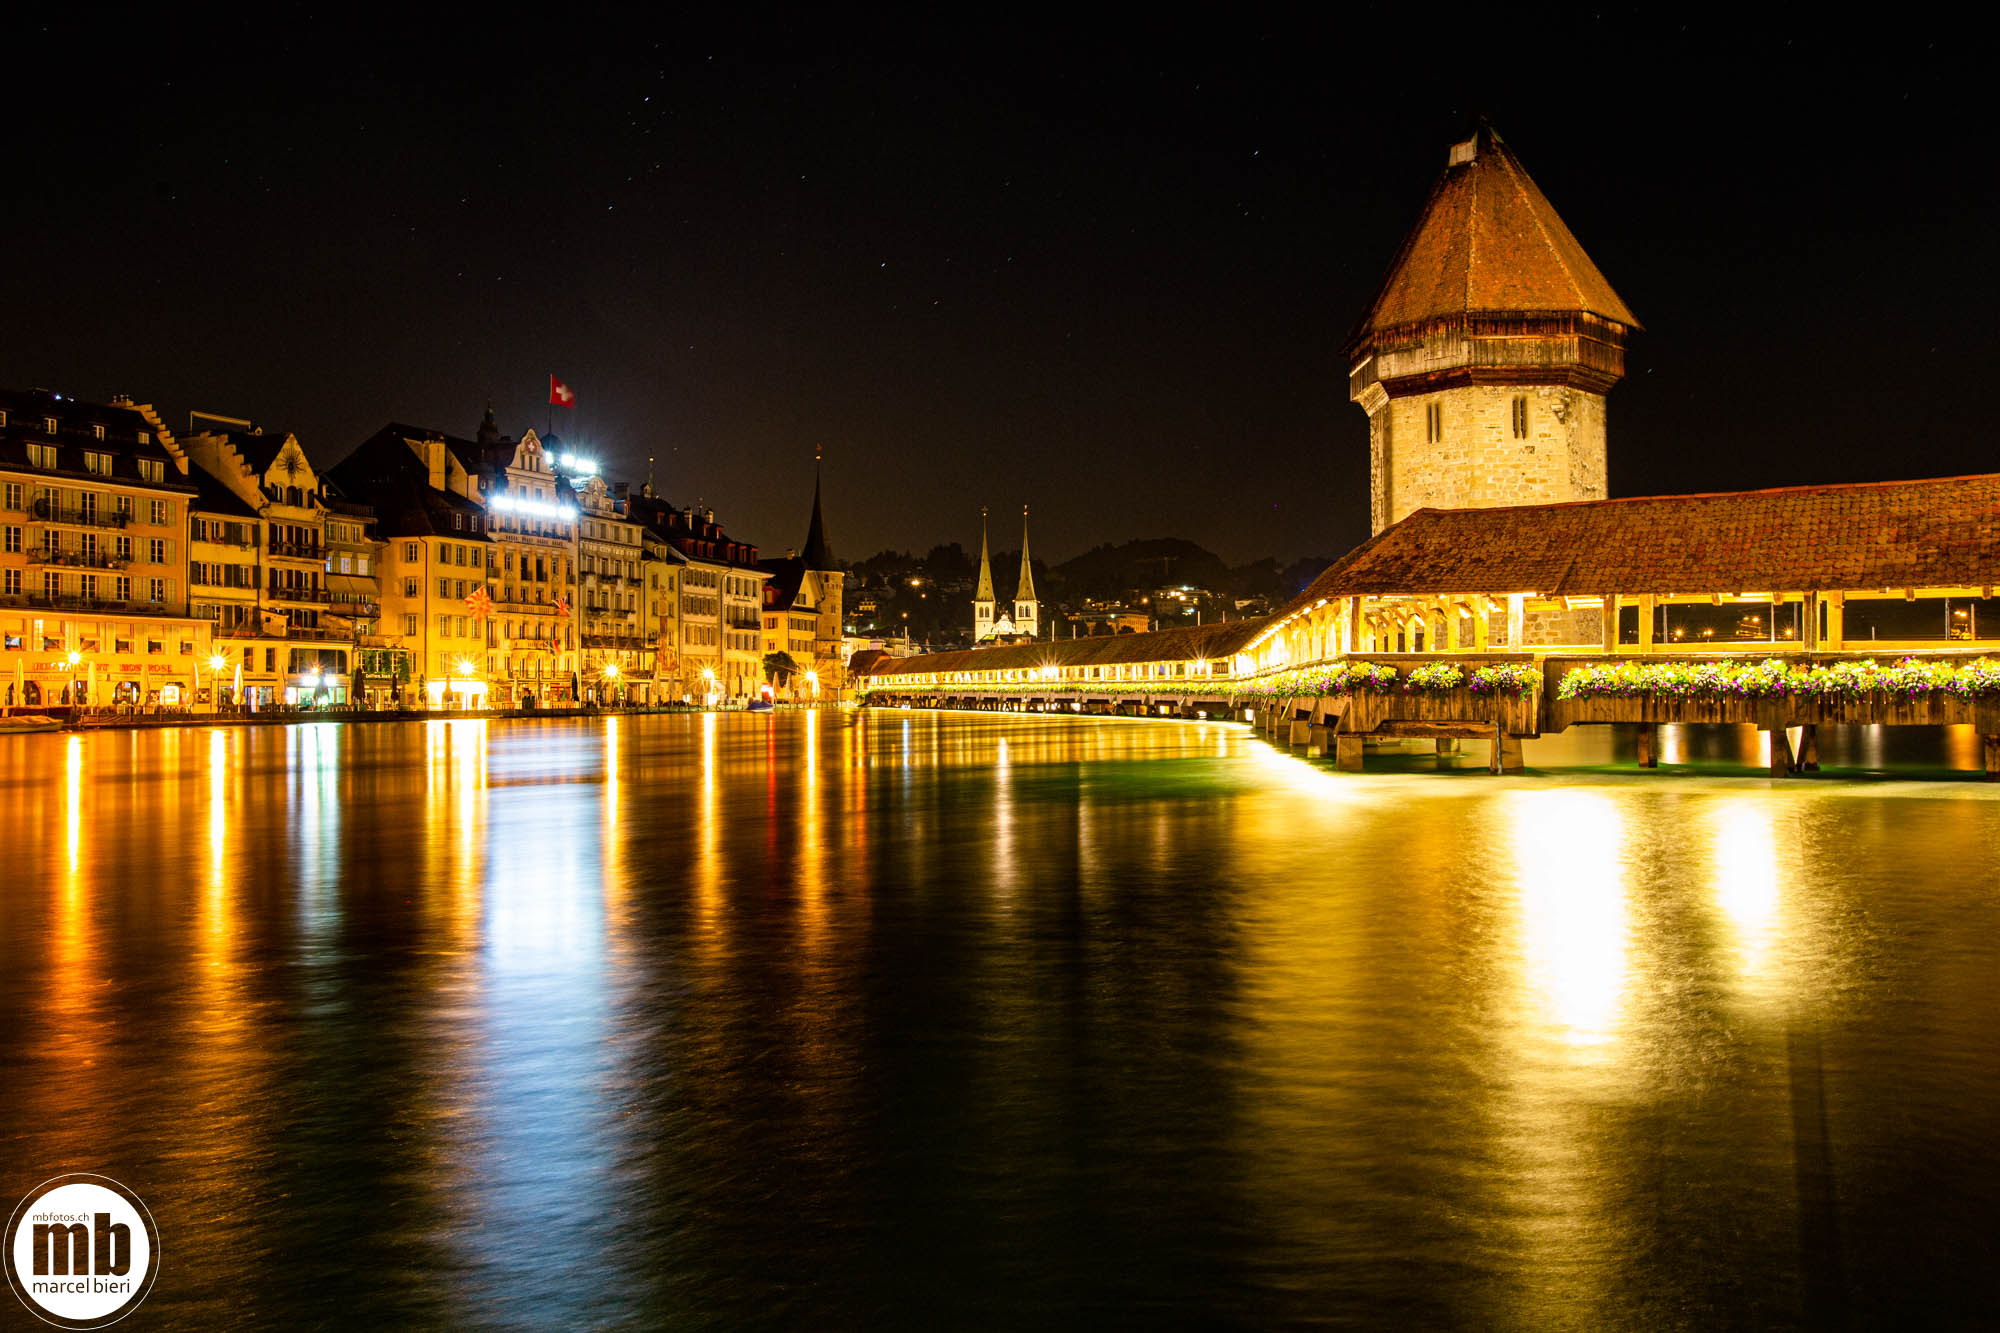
(1186,644)
(1944,532)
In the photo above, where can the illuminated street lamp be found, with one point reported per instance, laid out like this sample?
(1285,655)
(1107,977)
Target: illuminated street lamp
(708,674)
(216,662)
(812,679)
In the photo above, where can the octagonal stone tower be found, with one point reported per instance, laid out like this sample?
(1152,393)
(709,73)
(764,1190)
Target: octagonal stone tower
(1484,359)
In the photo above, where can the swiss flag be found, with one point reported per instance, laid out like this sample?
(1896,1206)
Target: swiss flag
(560,394)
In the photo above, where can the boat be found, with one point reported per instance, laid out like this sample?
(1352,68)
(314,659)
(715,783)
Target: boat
(30,722)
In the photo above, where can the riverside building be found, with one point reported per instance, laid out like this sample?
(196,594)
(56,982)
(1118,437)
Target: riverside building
(94,502)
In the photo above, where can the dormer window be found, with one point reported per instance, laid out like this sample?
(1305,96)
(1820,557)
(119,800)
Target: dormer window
(42,455)
(97,432)
(96,462)
(49,425)
(152,469)
(145,436)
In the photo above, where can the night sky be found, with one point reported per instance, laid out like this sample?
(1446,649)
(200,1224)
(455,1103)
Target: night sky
(1105,272)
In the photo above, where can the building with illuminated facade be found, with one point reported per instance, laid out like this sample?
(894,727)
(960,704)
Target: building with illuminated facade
(721,601)
(94,502)
(291,645)
(616,654)
(432,570)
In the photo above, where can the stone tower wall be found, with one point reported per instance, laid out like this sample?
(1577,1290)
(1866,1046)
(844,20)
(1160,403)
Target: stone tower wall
(1478,462)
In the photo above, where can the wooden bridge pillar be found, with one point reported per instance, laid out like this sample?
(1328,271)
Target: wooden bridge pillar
(1781,752)
(1446,745)
(1809,747)
(1319,739)
(1649,745)
(1992,748)
(1347,754)
(1506,757)
(1301,732)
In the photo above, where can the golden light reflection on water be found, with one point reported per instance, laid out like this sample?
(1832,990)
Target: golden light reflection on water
(1574,946)
(1745,872)
(1181,992)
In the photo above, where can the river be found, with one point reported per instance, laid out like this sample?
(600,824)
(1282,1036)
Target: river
(966,1021)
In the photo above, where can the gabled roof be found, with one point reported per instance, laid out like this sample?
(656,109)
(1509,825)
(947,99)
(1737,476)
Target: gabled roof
(781,590)
(1184,644)
(212,497)
(1874,535)
(386,473)
(1488,241)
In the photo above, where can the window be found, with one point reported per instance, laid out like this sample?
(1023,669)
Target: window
(42,455)
(410,624)
(124,586)
(1520,418)
(93,461)
(152,469)
(444,626)
(444,555)
(158,511)
(97,432)
(14,495)
(13,545)
(361,565)
(121,546)
(444,588)
(410,588)
(156,551)
(346,564)
(156,590)
(1434,422)
(145,436)
(13,586)
(87,585)
(410,553)
(51,584)
(49,425)
(122,504)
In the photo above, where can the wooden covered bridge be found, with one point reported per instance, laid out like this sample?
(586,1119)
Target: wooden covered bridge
(1785,609)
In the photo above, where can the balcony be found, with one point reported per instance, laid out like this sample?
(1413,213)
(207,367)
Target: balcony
(306,596)
(47,511)
(42,603)
(297,550)
(42,555)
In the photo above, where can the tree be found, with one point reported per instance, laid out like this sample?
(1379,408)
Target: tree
(779,668)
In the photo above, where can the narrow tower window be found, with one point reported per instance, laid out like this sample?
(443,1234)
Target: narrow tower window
(1520,418)
(1434,422)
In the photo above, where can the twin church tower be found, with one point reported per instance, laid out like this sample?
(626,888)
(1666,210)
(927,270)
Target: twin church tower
(1482,362)
(1027,619)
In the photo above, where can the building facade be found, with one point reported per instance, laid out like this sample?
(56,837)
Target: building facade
(295,650)
(617,658)
(94,502)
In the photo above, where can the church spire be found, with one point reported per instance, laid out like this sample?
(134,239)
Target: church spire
(1027,611)
(818,555)
(984,593)
(982,596)
(1026,592)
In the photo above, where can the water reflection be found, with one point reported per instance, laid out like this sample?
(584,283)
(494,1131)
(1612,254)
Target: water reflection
(815,1020)
(1570,856)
